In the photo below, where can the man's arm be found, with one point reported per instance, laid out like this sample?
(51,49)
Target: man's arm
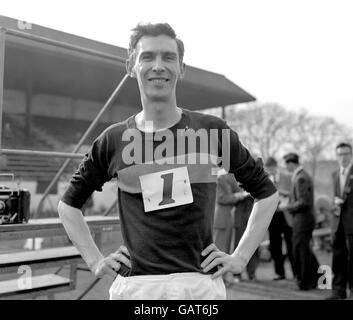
(250,174)
(79,233)
(258,223)
(257,226)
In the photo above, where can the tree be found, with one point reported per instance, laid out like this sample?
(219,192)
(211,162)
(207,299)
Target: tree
(315,138)
(262,127)
(271,130)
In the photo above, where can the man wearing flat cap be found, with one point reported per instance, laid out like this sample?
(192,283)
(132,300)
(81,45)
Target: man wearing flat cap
(301,206)
(281,225)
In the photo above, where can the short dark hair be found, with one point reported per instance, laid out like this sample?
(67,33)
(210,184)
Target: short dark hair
(291,157)
(344,145)
(154,30)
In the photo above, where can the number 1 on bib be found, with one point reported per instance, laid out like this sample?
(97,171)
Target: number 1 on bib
(166,189)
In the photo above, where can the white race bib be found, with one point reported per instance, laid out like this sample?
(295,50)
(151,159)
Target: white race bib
(166,189)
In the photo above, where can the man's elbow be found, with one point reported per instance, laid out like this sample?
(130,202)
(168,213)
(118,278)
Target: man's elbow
(276,198)
(272,201)
(64,210)
(273,198)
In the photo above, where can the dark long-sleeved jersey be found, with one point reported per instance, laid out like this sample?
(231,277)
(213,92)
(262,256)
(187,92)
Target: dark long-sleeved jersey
(167,186)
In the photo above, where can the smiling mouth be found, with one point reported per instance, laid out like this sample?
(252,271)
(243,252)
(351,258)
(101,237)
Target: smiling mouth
(158,80)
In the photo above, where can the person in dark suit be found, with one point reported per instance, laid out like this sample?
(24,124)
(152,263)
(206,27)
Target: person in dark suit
(227,197)
(243,206)
(281,225)
(225,202)
(342,224)
(223,218)
(301,206)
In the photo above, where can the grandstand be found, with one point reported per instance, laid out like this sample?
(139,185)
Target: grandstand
(31,167)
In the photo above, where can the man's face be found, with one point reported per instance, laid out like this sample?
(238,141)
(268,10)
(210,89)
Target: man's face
(344,156)
(290,166)
(157,67)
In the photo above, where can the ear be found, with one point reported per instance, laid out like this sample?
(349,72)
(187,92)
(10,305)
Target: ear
(182,70)
(129,67)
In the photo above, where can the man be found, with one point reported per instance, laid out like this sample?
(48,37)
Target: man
(301,206)
(342,224)
(281,225)
(243,207)
(224,216)
(223,220)
(166,191)
(233,207)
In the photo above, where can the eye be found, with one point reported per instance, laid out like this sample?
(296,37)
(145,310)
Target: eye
(170,57)
(146,57)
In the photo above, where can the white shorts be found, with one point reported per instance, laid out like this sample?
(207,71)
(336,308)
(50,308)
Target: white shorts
(174,286)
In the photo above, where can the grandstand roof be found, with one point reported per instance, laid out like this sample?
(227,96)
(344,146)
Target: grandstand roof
(86,69)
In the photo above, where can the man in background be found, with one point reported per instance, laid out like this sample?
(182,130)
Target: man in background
(301,207)
(225,203)
(342,224)
(243,206)
(281,225)
(224,215)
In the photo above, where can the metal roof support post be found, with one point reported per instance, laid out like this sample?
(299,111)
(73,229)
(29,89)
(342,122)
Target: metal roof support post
(2,70)
(82,140)
(111,207)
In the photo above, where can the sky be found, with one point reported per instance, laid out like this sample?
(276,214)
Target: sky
(298,54)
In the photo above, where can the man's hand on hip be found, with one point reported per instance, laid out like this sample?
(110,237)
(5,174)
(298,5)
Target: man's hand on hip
(225,262)
(111,264)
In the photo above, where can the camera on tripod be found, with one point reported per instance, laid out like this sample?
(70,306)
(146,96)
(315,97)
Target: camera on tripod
(14,204)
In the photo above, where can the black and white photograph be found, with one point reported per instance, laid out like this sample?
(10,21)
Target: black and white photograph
(194,151)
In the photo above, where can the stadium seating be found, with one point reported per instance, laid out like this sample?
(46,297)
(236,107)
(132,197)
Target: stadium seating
(45,284)
(67,131)
(47,134)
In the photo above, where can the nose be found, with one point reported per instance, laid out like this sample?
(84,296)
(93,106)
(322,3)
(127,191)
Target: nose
(158,65)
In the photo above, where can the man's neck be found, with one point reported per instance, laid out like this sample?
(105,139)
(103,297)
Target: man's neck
(158,116)
(296,169)
(347,168)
